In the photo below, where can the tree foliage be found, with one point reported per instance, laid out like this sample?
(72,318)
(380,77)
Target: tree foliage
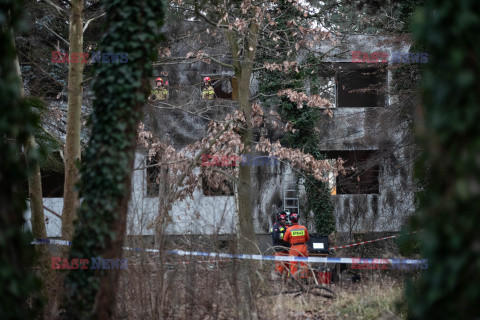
(303,120)
(450,287)
(370,16)
(17,124)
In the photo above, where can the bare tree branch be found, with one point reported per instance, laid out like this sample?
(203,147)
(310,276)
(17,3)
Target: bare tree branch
(88,22)
(226,174)
(56,34)
(53,212)
(59,9)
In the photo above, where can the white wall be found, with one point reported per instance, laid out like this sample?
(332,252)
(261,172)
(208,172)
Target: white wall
(202,215)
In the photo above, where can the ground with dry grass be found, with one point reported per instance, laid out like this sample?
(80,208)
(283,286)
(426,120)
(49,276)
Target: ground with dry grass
(365,300)
(189,288)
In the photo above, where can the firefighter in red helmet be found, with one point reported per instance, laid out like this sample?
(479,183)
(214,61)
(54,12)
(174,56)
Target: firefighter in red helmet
(279,246)
(297,236)
(207,92)
(160,91)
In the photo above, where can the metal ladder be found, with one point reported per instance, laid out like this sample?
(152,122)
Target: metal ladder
(290,197)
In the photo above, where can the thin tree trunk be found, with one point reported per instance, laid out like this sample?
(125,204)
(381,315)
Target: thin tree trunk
(43,256)
(163,209)
(72,142)
(17,282)
(37,217)
(246,233)
(34,177)
(162,206)
(35,194)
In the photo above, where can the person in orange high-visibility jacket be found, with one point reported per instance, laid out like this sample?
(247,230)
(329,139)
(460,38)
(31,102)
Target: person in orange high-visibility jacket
(297,236)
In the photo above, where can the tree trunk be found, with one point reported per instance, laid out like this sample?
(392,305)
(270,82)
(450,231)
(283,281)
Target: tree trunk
(107,292)
(72,143)
(107,174)
(163,207)
(35,194)
(43,256)
(34,178)
(246,233)
(17,289)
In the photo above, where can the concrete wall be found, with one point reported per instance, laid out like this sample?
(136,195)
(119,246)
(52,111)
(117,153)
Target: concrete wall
(184,119)
(202,215)
(383,130)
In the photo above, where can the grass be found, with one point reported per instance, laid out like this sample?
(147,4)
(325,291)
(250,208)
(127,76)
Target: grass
(367,300)
(150,289)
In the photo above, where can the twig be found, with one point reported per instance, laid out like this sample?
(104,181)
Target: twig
(41,69)
(88,22)
(193,163)
(171,106)
(52,212)
(53,136)
(218,61)
(88,79)
(225,174)
(55,6)
(59,36)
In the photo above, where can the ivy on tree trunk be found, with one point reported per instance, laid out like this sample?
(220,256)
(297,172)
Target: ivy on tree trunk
(121,90)
(17,124)
(304,120)
(450,133)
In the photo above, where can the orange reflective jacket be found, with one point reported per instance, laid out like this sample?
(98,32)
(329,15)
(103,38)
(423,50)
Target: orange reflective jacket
(296,234)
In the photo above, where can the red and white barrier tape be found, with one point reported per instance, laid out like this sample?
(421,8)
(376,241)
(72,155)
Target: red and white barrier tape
(369,241)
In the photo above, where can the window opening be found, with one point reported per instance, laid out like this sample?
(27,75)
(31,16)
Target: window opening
(153,178)
(361,87)
(361,172)
(216,184)
(219,87)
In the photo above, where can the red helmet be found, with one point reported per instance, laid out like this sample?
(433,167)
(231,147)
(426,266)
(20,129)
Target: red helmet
(206,79)
(293,217)
(281,216)
(159,79)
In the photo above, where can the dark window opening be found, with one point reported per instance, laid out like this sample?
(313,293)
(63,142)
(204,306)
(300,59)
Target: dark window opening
(361,172)
(216,184)
(52,183)
(153,178)
(361,87)
(53,176)
(223,87)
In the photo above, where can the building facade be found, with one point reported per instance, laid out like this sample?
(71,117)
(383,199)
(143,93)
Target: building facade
(367,130)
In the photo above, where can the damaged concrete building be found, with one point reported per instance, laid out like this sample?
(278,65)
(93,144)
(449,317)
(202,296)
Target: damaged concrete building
(367,130)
